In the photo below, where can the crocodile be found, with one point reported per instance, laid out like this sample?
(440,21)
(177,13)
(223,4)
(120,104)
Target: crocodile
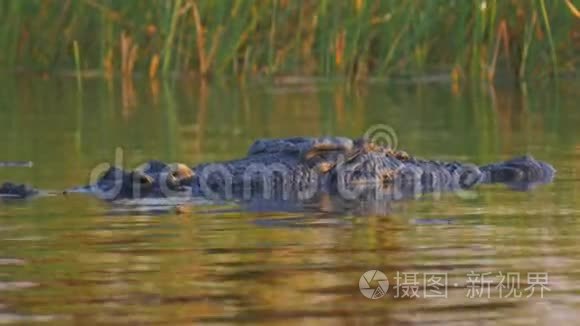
(9,190)
(302,168)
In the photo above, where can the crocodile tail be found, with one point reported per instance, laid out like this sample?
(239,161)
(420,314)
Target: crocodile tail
(520,173)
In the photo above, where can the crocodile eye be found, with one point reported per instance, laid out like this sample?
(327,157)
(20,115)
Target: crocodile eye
(171,179)
(181,172)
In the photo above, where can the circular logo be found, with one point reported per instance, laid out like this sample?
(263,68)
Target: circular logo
(371,278)
(382,135)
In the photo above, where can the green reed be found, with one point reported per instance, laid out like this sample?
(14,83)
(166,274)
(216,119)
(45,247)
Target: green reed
(354,39)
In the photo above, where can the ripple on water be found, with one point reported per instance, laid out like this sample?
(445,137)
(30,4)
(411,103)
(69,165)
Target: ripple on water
(12,261)
(10,318)
(28,238)
(16,285)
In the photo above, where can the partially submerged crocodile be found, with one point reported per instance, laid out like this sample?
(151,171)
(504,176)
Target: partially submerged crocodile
(19,191)
(301,168)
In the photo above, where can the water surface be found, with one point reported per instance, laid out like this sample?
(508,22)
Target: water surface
(74,259)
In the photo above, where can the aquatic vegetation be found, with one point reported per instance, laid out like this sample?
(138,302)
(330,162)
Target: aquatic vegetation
(354,39)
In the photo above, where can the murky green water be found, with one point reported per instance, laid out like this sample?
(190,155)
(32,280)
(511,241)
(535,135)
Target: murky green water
(70,260)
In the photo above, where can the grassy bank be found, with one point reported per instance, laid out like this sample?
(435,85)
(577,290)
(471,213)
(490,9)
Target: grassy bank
(353,39)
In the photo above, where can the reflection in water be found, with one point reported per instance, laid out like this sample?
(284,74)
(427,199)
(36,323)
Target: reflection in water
(66,259)
(129,97)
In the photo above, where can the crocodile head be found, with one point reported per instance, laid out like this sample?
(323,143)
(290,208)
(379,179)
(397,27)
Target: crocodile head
(152,179)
